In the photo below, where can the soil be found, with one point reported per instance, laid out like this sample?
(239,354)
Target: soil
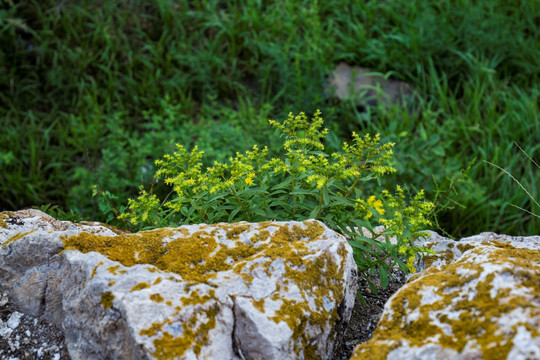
(365,318)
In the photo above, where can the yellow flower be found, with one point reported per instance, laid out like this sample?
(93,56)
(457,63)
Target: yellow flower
(371,202)
(377,204)
(321,181)
(410,264)
(249,179)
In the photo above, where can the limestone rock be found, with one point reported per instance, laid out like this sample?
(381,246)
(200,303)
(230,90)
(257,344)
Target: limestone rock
(274,290)
(478,298)
(367,87)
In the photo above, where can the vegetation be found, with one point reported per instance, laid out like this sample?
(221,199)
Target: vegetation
(306,184)
(106,88)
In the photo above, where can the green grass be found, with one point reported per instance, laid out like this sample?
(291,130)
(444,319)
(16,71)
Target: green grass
(121,82)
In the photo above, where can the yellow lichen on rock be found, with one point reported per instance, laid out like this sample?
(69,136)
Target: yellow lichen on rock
(95,269)
(140,286)
(196,334)
(259,304)
(459,305)
(16,237)
(156,297)
(107,300)
(5,215)
(198,256)
(128,249)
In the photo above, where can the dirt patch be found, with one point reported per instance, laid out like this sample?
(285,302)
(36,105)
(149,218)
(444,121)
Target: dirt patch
(364,319)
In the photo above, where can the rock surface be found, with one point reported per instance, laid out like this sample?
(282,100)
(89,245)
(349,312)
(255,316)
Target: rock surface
(367,87)
(478,298)
(231,291)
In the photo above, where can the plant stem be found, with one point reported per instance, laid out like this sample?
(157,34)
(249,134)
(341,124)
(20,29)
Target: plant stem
(293,198)
(352,187)
(248,215)
(198,211)
(320,205)
(374,263)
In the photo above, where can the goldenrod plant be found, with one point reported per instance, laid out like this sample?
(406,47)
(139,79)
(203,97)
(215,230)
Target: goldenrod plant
(307,183)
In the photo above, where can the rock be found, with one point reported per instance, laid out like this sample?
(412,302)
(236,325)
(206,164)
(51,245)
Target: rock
(367,87)
(478,298)
(274,290)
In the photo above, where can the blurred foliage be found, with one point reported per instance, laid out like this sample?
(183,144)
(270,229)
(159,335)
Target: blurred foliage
(111,86)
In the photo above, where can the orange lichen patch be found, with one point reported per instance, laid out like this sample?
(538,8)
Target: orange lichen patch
(465,289)
(111,283)
(156,297)
(107,300)
(16,237)
(140,286)
(157,281)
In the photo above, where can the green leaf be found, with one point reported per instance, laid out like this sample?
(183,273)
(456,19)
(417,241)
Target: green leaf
(283,185)
(439,151)
(361,298)
(251,191)
(302,192)
(313,213)
(362,247)
(372,287)
(262,213)
(233,214)
(384,276)
(423,133)
(326,201)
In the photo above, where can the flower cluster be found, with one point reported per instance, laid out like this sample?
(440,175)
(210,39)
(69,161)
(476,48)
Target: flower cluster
(305,183)
(406,218)
(370,206)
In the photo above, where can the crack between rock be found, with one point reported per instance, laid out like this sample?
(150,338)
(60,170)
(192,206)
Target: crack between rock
(236,347)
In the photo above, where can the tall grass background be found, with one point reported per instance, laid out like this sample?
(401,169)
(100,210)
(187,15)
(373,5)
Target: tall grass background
(88,88)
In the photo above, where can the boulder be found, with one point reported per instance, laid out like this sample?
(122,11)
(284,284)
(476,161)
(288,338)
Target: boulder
(477,298)
(367,87)
(273,290)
